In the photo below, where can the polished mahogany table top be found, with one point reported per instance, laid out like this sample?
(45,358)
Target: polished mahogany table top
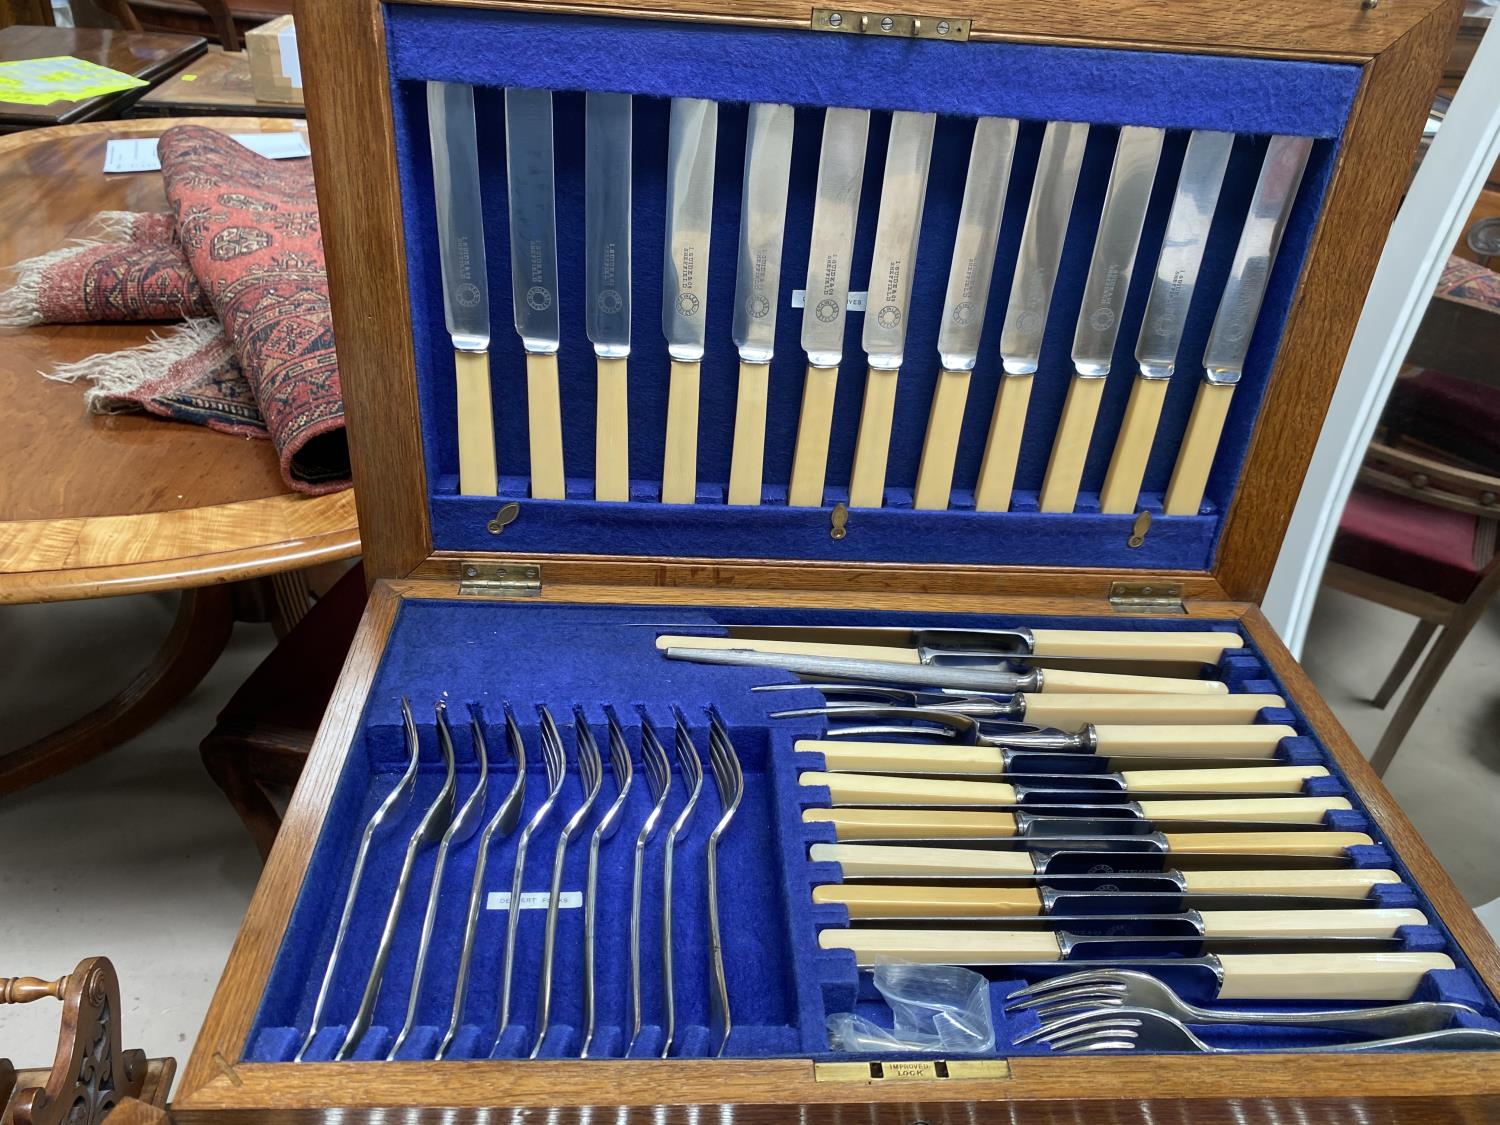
(145,55)
(93,504)
(217,82)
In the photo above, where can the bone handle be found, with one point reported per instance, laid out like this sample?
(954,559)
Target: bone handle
(810,458)
(1065,680)
(1195,457)
(1320,842)
(940,947)
(997,469)
(1071,446)
(1339,882)
(940,446)
(748,459)
(1071,711)
(1249,740)
(1127,465)
(1267,810)
(913,824)
(871,900)
(679,472)
(874,789)
(794,648)
(477,475)
(1358,922)
(612,432)
(544,417)
(893,757)
(1326,976)
(1205,646)
(873,447)
(897,859)
(1252,779)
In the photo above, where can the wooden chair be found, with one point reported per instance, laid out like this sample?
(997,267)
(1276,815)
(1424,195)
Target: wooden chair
(1419,533)
(91,1074)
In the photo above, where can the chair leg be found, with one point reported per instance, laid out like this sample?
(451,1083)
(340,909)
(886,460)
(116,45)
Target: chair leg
(1448,643)
(1414,646)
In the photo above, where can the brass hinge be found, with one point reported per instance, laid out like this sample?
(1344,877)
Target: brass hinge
(508,580)
(1140,597)
(914,1070)
(890,24)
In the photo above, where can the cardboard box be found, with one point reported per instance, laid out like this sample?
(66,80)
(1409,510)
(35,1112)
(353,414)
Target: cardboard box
(275,69)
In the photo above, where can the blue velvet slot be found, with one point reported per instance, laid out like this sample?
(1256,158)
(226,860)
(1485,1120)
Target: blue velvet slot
(782,984)
(735,66)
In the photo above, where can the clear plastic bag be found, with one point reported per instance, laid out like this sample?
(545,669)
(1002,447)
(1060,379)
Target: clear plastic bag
(936,1008)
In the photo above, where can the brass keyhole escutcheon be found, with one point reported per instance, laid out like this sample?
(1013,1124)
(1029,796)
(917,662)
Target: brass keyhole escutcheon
(839,520)
(1138,530)
(503,518)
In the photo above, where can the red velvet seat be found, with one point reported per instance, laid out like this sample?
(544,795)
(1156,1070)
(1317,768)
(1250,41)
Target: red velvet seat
(1409,542)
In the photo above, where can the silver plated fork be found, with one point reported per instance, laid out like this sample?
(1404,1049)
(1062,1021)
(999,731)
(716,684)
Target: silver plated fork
(1141,1029)
(1095,989)
(729,777)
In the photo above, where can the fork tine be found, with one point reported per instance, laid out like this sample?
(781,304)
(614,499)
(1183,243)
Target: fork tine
(590,764)
(1085,991)
(1085,1047)
(619,749)
(654,756)
(1051,1013)
(552,747)
(1067,980)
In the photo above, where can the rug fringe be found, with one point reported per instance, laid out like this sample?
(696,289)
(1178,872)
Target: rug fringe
(113,226)
(20,304)
(114,375)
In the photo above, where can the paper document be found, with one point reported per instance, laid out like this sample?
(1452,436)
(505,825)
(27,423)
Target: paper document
(138,154)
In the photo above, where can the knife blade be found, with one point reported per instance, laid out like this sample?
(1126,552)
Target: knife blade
(893,262)
(1104,295)
(1234,325)
(466,296)
(841,170)
(692,135)
(533,277)
(757,288)
(1026,313)
(607,196)
(1250,923)
(964,304)
(1172,286)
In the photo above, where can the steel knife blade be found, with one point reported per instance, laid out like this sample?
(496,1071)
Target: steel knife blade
(693,133)
(607,199)
(898,229)
(533,222)
(768,164)
(841,169)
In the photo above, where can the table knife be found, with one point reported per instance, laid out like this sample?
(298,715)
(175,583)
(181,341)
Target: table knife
(1172,287)
(841,170)
(533,277)
(892,265)
(1257,921)
(964,305)
(1026,313)
(757,288)
(607,195)
(1107,748)
(466,291)
(1234,326)
(1104,294)
(692,135)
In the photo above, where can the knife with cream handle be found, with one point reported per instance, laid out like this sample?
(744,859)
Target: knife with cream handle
(607,194)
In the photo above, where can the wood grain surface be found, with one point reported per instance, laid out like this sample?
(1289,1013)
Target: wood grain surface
(100,504)
(216,82)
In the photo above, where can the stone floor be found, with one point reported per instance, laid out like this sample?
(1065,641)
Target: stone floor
(137,855)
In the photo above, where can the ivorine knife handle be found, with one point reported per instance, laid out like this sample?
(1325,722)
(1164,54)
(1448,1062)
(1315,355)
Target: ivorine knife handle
(679,472)
(1071,446)
(1250,779)
(997,469)
(1319,842)
(1358,922)
(544,415)
(843,756)
(477,475)
(1127,466)
(1326,976)
(874,900)
(898,859)
(1264,810)
(1195,457)
(748,459)
(612,432)
(876,789)
(940,446)
(1072,711)
(873,447)
(1248,740)
(1204,646)
(1066,680)
(810,458)
(939,947)
(1337,882)
(913,824)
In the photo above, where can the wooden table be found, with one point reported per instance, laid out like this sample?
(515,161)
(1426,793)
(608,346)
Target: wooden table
(217,82)
(145,55)
(92,506)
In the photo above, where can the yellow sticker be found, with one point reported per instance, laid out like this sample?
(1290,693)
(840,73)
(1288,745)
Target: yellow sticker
(190,78)
(60,78)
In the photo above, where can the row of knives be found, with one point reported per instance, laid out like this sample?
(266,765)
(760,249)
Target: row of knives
(690,177)
(1184,843)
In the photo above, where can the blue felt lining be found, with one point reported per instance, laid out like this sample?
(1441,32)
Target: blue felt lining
(1107,88)
(782,984)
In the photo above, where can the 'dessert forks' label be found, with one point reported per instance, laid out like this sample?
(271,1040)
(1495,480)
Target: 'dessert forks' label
(534,900)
